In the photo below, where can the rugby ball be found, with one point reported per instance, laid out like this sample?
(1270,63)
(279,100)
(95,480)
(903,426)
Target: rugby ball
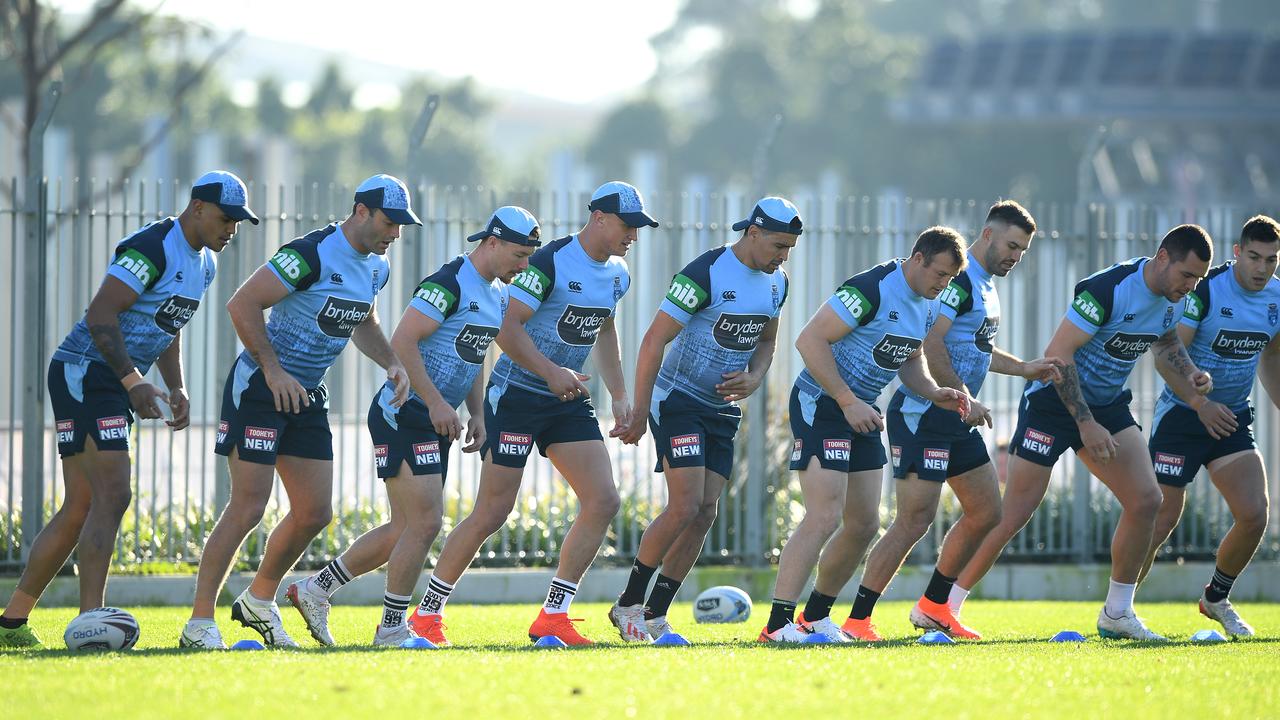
(104,628)
(722,604)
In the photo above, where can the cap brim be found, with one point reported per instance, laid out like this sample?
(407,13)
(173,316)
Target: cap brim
(239,212)
(638,219)
(479,236)
(401,217)
(742,225)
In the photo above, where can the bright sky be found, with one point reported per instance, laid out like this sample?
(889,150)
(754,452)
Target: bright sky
(571,50)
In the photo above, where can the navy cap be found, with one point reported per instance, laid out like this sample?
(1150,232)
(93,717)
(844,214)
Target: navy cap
(775,214)
(225,190)
(388,194)
(623,200)
(512,224)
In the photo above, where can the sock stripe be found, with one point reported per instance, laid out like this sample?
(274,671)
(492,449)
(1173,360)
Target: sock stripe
(567,587)
(339,572)
(437,586)
(395,602)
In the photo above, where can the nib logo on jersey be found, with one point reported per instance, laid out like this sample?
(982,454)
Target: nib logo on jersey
(473,341)
(893,350)
(738,332)
(175,312)
(580,325)
(517,444)
(683,446)
(1128,346)
(113,428)
(427,453)
(260,439)
(339,318)
(985,336)
(1239,344)
(1167,464)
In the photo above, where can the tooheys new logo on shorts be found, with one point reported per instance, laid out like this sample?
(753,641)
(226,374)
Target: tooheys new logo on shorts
(580,325)
(1239,344)
(427,453)
(339,317)
(138,264)
(175,313)
(686,294)
(738,332)
(473,341)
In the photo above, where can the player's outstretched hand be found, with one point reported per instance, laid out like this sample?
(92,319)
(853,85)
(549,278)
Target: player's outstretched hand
(1099,442)
(145,399)
(288,393)
(622,412)
(978,414)
(475,434)
(738,385)
(1217,419)
(400,378)
(952,399)
(445,421)
(179,408)
(635,428)
(1045,369)
(568,384)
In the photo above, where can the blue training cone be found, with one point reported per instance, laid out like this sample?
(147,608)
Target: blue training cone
(936,637)
(1067,636)
(418,643)
(550,642)
(817,639)
(1207,636)
(671,639)
(246,645)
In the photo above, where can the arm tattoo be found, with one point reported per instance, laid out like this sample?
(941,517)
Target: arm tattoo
(110,342)
(1072,397)
(1175,354)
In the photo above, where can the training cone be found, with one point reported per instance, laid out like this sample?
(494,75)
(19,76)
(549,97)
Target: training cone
(246,645)
(671,639)
(418,643)
(550,642)
(1207,636)
(936,637)
(1067,636)
(817,639)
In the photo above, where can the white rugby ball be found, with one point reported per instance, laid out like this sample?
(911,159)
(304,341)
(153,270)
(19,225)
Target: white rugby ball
(722,604)
(104,628)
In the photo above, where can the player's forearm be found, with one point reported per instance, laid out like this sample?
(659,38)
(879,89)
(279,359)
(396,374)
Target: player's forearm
(915,376)
(1269,375)
(762,358)
(609,355)
(411,360)
(1072,396)
(648,361)
(109,340)
(1176,367)
(516,343)
(370,340)
(1006,363)
(939,365)
(251,328)
(169,363)
(821,364)
(475,397)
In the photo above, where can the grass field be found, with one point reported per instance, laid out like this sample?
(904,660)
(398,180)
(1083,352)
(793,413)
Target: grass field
(492,670)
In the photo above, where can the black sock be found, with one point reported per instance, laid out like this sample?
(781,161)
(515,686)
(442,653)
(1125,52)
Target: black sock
(939,589)
(783,612)
(818,607)
(12,624)
(664,591)
(637,584)
(863,603)
(1219,587)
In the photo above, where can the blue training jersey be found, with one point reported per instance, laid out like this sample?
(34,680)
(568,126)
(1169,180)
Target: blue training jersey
(887,321)
(724,307)
(170,278)
(332,289)
(469,310)
(1124,318)
(972,305)
(1232,327)
(572,295)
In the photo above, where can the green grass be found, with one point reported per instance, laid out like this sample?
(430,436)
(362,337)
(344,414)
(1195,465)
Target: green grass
(493,673)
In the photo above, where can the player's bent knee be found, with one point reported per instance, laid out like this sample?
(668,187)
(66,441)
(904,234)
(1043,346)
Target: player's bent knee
(1253,520)
(114,501)
(706,516)
(606,505)
(313,520)
(1145,504)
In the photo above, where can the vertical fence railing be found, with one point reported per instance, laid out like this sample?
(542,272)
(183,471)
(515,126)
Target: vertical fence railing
(179,486)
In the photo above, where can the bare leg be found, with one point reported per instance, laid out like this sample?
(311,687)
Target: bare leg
(1243,483)
(823,492)
(1132,480)
(682,555)
(685,490)
(417,505)
(309,484)
(1026,486)
(917,506)
(585,466)
(861,523)
(979,496)
(495,499)
(57,539)
(1174,499)
(250,490)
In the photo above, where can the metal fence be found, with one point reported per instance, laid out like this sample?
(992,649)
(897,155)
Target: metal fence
(179,485)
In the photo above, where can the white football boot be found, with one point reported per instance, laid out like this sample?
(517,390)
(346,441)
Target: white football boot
(314,608)
(392,637)
(1126,627)
(789,633)
(630,623)
(201,636)
(825,626)
(658,626)
(262,619)
(1227,615)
